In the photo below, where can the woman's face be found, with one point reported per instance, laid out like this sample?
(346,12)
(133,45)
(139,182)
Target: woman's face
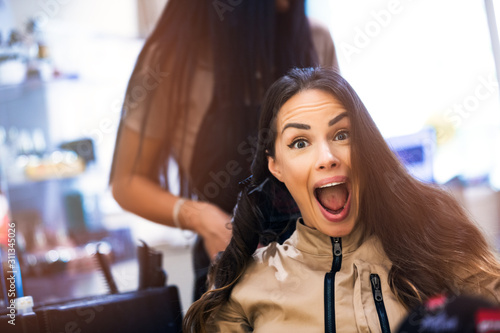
(312,158)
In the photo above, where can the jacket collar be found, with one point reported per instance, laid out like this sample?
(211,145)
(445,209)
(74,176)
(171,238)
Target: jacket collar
(315,242)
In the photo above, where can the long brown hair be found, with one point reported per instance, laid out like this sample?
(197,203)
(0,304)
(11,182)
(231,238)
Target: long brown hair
(246,44)
(432,243)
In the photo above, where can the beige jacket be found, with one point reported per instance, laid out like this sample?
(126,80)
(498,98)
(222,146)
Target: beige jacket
(283,289)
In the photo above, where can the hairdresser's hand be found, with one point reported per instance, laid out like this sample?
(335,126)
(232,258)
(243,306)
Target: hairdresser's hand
(210,222)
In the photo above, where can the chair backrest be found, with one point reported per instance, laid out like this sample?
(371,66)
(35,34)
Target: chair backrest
(154,310)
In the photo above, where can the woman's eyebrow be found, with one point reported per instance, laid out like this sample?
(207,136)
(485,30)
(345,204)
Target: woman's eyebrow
(307,127)
(337,119)
(296,125)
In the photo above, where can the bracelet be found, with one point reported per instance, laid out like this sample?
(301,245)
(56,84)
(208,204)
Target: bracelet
(177,208)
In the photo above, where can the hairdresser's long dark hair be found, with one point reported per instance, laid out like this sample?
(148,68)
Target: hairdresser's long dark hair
(246,43)
(433,245)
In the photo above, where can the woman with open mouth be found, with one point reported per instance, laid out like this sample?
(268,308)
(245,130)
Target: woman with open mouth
(372,242)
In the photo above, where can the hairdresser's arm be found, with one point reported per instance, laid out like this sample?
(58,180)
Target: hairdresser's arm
(137,190)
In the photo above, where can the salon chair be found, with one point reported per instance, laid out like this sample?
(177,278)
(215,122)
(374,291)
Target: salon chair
(154,308)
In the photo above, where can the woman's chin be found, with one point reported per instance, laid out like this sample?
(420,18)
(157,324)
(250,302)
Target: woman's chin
(336,229)
(332,229)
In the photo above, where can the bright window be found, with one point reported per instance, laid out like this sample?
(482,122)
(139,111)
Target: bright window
(424,63)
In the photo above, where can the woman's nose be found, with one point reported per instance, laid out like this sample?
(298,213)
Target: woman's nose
(326,158)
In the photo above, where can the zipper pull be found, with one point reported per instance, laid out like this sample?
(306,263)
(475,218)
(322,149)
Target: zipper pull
(376,287)
(337,249)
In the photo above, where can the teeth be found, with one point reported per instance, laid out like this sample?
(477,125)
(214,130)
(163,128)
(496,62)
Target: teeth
(331,184)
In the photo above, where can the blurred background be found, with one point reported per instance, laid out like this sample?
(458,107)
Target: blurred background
(426,70)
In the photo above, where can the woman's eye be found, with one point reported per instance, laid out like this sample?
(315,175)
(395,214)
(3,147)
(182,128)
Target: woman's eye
(298,144)
(342,135)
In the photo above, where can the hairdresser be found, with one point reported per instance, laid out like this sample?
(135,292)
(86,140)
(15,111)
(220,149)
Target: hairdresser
(194,98)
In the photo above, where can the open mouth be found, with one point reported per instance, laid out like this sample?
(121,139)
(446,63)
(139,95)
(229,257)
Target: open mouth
(333,197)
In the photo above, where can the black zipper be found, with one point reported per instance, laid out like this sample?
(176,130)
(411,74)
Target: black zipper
(330,285)
(379,303)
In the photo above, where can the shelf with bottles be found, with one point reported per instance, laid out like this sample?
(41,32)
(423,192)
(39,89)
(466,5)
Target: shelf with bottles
(25,60)
(25,158)
(56,165)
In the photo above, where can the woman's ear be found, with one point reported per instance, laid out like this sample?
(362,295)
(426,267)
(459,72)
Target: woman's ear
(274,167)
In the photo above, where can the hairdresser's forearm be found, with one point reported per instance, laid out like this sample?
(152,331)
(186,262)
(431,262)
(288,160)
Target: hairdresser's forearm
(144,197)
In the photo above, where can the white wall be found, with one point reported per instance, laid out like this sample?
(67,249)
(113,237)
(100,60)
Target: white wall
(420,63)
(107,17)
